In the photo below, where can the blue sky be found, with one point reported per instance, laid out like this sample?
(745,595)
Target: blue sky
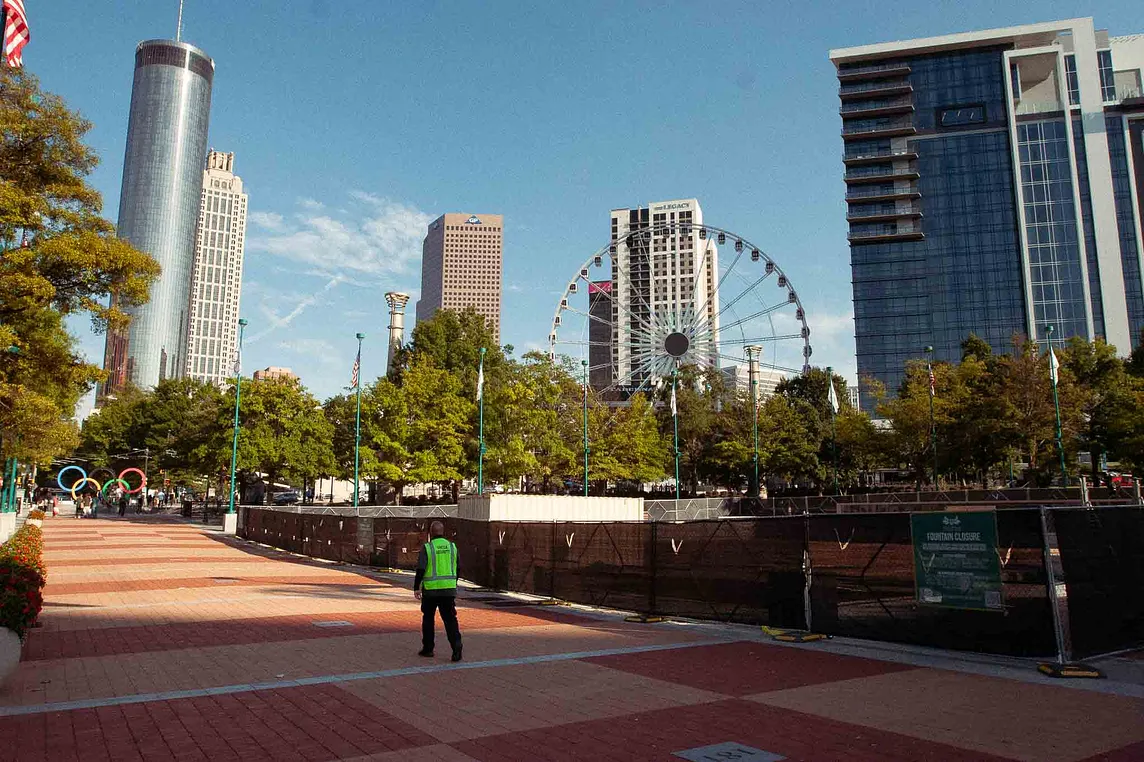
(355,122)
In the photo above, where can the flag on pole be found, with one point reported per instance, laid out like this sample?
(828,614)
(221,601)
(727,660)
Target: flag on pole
(832,397)
(1054,365)
(16,34)
(932,383)
(674,411)
(356,371)
(237,363)
(481,382)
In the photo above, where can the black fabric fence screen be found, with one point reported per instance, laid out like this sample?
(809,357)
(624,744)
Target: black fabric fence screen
(756,570)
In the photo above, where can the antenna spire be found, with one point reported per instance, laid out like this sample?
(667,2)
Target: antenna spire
(179,28)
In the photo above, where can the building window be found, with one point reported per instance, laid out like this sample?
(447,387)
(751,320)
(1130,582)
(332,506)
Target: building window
(959,116)
(1107,80)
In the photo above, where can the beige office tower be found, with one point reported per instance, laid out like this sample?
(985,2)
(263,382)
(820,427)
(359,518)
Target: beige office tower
(461,266)
(216,282)
(663,283)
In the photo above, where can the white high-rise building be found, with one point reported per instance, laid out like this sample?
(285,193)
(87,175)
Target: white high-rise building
(216,285)
(663,285)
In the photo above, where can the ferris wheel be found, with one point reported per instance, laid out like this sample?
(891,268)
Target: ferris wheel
(676,293)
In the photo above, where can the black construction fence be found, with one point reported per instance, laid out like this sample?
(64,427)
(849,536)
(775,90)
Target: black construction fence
(854,573)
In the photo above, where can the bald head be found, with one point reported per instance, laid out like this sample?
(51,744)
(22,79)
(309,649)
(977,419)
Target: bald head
(436,529)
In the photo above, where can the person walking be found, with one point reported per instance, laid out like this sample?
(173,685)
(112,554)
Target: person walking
(435,585)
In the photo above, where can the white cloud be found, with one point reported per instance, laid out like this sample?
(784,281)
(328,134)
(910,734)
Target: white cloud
(313,348)
(268,220)
(276,320)
(310,204)
(378,237)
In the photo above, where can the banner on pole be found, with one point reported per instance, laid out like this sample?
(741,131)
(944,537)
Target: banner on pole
(955,559)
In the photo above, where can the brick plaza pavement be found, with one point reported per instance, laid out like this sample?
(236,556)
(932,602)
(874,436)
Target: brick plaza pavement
(164,640)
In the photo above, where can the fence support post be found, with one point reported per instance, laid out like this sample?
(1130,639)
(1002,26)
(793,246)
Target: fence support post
(552,562)
(654,570)
(1058,601)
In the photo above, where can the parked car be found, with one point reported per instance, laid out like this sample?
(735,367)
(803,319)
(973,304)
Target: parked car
(286,497)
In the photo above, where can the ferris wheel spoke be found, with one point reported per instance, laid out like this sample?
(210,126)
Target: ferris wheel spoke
(741,295)
(757,315)
(759,339)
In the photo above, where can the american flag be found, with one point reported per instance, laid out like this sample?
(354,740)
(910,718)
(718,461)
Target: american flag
(16,34)
(932,382)
(357,368)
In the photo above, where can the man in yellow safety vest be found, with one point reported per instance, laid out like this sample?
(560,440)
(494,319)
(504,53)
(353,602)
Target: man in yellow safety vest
(436,587)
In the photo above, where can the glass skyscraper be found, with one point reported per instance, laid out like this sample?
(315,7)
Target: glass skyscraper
(994,185)
(159,204)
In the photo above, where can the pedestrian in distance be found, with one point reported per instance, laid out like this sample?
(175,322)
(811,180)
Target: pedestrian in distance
(435,585)
(123,503)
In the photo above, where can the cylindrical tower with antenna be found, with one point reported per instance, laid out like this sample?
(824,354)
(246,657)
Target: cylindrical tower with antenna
(396,301)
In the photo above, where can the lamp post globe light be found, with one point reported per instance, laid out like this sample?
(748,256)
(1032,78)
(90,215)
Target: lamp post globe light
(932,426)
(242,323)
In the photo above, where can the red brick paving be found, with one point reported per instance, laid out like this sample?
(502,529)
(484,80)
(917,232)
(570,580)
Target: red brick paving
(312,723)
(129,561)
(654,736)
(68,644)
(174,583)
(742,669)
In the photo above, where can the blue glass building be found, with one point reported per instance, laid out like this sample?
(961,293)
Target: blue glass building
(159,204)
(993,186)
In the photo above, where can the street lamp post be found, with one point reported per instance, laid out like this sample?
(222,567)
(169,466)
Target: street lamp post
(1053,371)
(481,425)
(357,422)
(932,425)
(831,398)
(752,371)
(584,364)
(237,403)
(675,422)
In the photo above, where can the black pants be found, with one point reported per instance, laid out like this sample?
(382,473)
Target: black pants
(448,606)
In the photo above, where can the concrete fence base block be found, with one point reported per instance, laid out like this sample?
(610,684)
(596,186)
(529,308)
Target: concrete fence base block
(7,526)
(230,523)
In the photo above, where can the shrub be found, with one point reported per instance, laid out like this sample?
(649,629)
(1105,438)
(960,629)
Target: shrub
(20,596)
(22,575)
(35,513)
(26,547)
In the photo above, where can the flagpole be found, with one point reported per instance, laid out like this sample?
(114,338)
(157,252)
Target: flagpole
(675,420)
(833,426)
(932,426)
(1053,372)
(584,363)
(357,423)
(481,422)
(237,402)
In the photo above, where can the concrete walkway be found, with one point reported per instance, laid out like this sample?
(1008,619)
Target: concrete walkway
(164,640)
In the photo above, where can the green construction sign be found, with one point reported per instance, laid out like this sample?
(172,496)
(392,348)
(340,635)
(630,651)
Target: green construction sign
(955,559)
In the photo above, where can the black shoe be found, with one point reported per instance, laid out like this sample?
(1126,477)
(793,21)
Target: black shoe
(427,654)
(457,653)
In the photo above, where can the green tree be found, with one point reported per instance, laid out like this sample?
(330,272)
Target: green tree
(440,420)
(284,432)
(59,257)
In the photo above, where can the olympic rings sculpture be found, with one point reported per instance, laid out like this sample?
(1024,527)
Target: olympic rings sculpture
(101,488)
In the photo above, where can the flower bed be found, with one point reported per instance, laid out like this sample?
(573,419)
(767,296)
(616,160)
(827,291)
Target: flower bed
(35,513)
(22,575)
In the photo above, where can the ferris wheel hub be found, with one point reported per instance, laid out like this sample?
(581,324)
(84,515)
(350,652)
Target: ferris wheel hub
(676,344)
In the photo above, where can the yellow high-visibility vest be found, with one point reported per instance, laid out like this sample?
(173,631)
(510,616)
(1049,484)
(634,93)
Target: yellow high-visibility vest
(441,569)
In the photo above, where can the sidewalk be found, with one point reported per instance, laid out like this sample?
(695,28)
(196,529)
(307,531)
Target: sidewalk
(164,640)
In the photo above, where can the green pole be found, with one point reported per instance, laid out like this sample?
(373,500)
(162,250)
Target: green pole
(1057,407)
(481,431)
(584,363)
(755,417)
(357,423)
(7,484)
(675,421)
(932,425)
(237,403)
